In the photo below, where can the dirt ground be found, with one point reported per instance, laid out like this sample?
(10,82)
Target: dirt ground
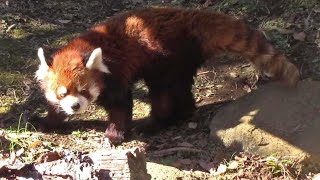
(25,25)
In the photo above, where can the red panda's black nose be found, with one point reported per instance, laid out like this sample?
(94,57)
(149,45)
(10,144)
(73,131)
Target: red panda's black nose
(75,106)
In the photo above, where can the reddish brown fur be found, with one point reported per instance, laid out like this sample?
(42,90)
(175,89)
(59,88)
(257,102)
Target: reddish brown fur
(164,47)
(67,66)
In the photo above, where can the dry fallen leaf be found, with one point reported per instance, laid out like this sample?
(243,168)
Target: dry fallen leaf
(247,88)
(301,36)
(35,144)
(233,74)
(19,152)
(233,165)
(241,158)
(12,157)
(48,157)
(221,170)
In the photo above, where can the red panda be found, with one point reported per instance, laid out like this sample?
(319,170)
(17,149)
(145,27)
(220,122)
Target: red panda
(162,46)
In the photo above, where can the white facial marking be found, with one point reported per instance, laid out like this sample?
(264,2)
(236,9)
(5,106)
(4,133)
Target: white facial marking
(42,72)
(96,61)
(67,102)
(51,96)
(62,90)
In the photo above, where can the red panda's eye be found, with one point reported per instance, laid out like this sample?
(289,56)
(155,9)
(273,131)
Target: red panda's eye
(62,95)
(62,91)
(83,91)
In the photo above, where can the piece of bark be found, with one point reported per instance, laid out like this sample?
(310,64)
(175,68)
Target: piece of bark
(107,164)
(121,164)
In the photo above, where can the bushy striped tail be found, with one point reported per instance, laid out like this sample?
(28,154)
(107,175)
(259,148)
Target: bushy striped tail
(252,44)
(223,32)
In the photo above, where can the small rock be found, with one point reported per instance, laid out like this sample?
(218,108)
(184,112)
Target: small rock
(299,36)
(192,125)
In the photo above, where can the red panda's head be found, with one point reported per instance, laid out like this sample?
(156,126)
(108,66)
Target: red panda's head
(70,81)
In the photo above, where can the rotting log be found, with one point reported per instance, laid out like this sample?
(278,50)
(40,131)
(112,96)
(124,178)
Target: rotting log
(103,164)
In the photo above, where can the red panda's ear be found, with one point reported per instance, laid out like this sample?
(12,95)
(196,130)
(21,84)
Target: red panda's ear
(42,59)
(96,61)
(42,72)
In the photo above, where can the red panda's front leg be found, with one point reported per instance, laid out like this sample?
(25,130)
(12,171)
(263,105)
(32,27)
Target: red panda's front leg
(119,108)
(54,118)
(120,119)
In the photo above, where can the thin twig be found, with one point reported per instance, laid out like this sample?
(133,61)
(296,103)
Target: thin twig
(10,27)
(169,151)
(205,72)
(306,21)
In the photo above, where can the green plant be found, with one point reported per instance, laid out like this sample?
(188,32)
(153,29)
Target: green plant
(21,136)
(279,166)
(77,132)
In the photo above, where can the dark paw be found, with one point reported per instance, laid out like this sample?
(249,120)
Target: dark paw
(114,135)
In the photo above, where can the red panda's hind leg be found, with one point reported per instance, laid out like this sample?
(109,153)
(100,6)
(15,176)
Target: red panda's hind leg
(170,104)
(183,101)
